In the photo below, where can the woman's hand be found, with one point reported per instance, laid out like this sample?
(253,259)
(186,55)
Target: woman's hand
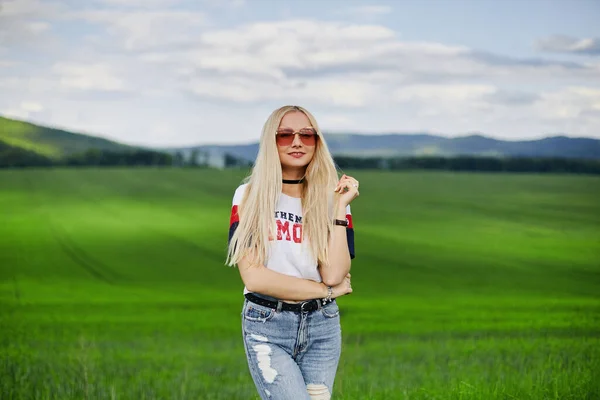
(348,189)
(343,288)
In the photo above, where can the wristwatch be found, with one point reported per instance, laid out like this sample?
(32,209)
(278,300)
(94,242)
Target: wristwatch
(343,222)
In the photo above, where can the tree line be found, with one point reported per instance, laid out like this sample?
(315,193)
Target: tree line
(14,157)
(474,163)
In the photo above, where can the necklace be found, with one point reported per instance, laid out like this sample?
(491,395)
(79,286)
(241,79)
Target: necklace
(293,181)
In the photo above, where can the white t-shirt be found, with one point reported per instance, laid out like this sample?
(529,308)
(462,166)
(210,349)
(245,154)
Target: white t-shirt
(287,253)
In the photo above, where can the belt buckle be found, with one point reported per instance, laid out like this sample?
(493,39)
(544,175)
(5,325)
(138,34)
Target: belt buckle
(305,302)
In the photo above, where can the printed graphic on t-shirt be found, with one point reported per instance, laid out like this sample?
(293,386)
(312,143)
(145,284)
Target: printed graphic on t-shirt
(288,221)
(289,227)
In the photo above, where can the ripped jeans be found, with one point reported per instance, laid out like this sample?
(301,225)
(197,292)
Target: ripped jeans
(292,355)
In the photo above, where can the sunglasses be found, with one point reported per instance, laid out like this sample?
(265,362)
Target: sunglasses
(285,136)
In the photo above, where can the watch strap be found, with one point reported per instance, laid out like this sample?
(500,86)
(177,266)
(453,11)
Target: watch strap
(343,222)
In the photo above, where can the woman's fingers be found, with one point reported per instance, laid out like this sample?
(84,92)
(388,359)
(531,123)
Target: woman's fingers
(346,181)
(345,177)
(344,186)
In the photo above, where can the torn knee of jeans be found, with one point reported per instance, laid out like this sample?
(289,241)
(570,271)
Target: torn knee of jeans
(318,391)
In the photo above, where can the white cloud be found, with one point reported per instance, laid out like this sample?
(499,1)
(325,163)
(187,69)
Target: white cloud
(442,92)
(31,106)
(14,113)
(28,8)
(444,101)
(88,77)
(301,33)
(337,121)
(567,44)
(326,62)
(141,3)
(311,46)
(26,25)
(37,27)
(368,11)
(227,4)
(569,103)
(319,91)
(152,73)
(142,30)
(570,110)
(25,110)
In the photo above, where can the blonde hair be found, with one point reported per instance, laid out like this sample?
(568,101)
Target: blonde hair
(257,208)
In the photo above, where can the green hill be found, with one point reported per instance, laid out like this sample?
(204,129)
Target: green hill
(49,142)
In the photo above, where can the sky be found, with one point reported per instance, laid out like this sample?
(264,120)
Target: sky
(166,73)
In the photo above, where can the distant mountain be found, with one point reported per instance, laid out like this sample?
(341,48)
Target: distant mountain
(19,138)
(51,143)
(425,144)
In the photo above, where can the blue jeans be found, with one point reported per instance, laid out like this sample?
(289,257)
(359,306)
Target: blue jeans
(292,355)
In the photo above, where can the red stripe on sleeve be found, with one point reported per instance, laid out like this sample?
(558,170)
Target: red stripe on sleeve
(234,215)
(349,218)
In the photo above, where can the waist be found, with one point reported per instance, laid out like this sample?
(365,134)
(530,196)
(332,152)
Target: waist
(280,305)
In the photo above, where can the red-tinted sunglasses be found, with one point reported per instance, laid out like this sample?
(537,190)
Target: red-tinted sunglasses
(285,136)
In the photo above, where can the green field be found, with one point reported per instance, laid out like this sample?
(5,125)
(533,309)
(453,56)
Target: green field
(466,286)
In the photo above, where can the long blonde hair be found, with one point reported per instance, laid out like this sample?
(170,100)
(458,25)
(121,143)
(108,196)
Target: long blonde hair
(257,208)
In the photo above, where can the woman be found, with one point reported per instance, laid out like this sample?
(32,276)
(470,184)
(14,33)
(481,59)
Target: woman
(294,265)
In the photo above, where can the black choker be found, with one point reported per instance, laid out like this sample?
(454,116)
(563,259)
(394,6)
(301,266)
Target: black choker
(293,181)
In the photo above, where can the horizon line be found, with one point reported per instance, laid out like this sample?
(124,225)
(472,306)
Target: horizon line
(333,132)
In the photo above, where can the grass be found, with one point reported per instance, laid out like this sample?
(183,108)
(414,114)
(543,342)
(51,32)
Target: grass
(466,286)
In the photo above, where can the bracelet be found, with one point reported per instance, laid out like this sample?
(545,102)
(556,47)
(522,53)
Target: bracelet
(329,294)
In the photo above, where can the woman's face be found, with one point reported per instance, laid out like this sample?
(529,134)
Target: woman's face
(295,152)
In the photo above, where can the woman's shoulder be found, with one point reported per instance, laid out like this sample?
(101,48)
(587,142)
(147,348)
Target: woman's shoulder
(239,193)
(242,188)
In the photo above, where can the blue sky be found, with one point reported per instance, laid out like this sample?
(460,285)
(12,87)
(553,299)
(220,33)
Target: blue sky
(182,72)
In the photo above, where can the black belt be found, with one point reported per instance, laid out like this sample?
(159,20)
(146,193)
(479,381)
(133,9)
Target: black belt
(304,306)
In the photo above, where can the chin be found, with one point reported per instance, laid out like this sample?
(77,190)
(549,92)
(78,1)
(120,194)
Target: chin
(297,163)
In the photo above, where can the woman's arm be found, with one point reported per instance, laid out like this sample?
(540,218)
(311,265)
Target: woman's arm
(260,279)
(339,257)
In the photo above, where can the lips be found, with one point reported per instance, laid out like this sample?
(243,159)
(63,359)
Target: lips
(296,154)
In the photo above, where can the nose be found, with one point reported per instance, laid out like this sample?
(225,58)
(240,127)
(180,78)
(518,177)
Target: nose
(297,141)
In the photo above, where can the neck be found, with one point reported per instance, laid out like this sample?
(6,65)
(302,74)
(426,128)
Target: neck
(294,175)
(293,182)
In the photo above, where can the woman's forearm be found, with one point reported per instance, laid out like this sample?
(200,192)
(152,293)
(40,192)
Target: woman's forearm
(339,256)
(260,279)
